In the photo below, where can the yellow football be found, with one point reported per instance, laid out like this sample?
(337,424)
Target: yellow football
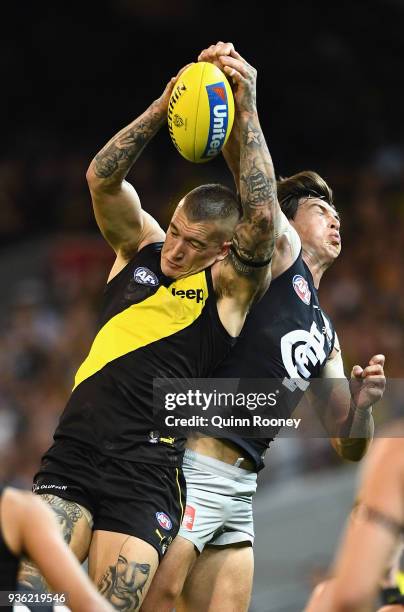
(201,112)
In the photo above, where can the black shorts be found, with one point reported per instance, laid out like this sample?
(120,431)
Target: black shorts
(139,499)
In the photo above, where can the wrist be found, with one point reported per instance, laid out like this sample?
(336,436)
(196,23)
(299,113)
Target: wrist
(159,110)
(247,115)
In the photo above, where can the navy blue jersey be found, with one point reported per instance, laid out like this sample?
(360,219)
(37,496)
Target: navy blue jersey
(286,336)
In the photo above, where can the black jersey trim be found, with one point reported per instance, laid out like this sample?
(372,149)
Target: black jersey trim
(152,246)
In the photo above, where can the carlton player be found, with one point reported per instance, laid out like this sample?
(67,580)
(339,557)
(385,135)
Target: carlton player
(172,308)
(286,336)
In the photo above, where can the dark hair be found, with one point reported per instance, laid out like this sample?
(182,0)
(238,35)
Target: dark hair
(303,184)
(211,202)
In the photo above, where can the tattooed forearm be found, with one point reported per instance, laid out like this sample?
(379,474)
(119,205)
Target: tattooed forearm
(115,160)
(253,242)
(123,583)
(259,190)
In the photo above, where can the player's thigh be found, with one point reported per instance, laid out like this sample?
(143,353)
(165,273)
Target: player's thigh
(75,523)
(122,567)
(221,579)
(170,576)
(392,608)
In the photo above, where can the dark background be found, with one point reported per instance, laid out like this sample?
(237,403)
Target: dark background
(330,89)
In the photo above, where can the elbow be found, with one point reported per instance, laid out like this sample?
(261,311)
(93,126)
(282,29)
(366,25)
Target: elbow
(93,181)
(100,182)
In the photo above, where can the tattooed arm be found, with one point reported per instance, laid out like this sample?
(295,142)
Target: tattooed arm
(30,528)
(117,207)
(245,273)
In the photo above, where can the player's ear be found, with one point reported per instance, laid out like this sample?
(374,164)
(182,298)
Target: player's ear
(224,250)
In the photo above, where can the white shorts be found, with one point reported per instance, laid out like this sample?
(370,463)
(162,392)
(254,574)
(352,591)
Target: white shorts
(219,502)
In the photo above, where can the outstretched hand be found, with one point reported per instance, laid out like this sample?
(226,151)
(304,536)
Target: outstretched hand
(242,76)
(367,384)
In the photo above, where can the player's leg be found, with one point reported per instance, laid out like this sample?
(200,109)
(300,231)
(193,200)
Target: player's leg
(122,567)
(392,608)
(204,517)
(221,579)
(139,514)
(170,576)
(75,523)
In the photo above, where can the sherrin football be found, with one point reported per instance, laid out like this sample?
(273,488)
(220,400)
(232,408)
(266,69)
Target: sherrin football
(201,112)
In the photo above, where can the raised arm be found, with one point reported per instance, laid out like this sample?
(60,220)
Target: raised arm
(117,207)
(287,243)
(241,276)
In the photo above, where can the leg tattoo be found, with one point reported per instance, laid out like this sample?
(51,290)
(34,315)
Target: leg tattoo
(122,584)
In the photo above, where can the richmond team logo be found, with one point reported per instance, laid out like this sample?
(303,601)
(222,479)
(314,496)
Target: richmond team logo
(301,286)
(164,520)
(144,276)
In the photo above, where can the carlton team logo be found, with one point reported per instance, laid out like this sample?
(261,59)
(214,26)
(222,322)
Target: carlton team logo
(301,286)
(219,115)
(144,276)
(164,520)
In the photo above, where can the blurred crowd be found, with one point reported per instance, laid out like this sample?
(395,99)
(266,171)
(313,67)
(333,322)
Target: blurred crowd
(48,316)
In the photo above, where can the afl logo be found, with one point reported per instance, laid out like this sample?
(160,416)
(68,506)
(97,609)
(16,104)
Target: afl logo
(144,276)
(164,520)
(301,286)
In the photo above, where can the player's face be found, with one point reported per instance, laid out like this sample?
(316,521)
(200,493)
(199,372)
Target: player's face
(191,246)
(318,225)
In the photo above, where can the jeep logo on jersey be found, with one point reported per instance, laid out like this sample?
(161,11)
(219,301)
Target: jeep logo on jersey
(144,276)
(301,286)
(190,294)
(164,520)
(301,349)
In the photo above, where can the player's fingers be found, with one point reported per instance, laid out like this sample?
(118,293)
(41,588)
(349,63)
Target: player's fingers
(377,359)
(230,62)
(233,74)
(356,371)
(374,370)
(237,55)
(213,52)
(224,48)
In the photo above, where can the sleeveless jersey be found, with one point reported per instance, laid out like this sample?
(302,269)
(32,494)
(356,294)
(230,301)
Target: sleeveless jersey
(151,327)
(286,335)
(9,564)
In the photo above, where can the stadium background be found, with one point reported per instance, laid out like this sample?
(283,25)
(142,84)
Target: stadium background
(330,98)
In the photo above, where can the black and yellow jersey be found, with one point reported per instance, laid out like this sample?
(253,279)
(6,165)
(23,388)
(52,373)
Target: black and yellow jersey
(151,326)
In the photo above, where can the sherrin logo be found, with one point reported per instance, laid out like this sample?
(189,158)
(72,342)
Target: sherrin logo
(144,276)
(219,115)
(301,286)
(164,520)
